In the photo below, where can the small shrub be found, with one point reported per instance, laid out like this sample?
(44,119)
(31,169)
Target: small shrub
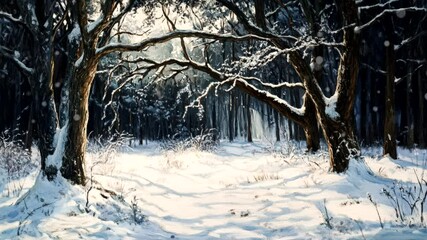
(206,141)
(104,151)
(408,201)
(325,214)
(137,215)
(264,176)
(16,162)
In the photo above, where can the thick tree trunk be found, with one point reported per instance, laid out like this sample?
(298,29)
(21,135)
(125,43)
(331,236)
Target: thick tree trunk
(43,105)
(46,122)
(73,162)
(389,124)
(311,129)
(342,144)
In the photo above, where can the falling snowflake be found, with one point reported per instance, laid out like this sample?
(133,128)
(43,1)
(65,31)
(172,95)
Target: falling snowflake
(319,60)
(44,104)
(57,84)
(375,108)
(76,117)
(386,43)
(425,96)
(401,13)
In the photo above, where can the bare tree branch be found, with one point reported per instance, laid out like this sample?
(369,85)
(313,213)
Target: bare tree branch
(7,53)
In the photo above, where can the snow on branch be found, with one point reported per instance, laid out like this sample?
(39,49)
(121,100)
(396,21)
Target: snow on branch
(361,27)
(410,39)
(268,54)
(399,80)
(7,53)
(15,20)
(11,18)
(274,86)
(378,5)
(223,79)
(276,102)
(113,47)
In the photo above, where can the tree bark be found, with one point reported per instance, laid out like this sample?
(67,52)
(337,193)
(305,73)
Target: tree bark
(311,129)
(231,117)
(73,162)
(389,123)
(249,118)
(342,144)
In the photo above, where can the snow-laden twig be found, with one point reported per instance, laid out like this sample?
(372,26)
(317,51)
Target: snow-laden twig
(378,5)
(7,53)
(361,27)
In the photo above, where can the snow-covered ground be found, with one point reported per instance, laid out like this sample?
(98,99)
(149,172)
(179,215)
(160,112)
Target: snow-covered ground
(239,191)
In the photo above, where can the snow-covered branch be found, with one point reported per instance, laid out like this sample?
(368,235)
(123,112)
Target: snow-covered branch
(378,5)
(282,106)
(385,11)
(11,18)
(123,47)
(272,85)
(9,54)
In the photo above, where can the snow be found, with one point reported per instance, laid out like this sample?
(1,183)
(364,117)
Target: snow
(59,140)
(331,105)
(386,43)
(375,108)
(74,34)
(239,191)
(79,61)
(96,23)
(319,60)
(401,13)
(76,117)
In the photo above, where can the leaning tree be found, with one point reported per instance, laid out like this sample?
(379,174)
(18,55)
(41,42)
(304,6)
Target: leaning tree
(300,32)
(88,38)
(311,34)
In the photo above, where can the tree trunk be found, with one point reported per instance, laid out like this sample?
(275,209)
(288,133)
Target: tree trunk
(342,144)
(389,124)
(311,130)
(421,118)
(421,98)
(43,104)
(214,124)
(248,116)
(73,162)
(410,141)
(230,118)
(277,125)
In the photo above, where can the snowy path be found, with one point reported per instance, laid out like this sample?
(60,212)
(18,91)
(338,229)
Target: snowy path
(241,191)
